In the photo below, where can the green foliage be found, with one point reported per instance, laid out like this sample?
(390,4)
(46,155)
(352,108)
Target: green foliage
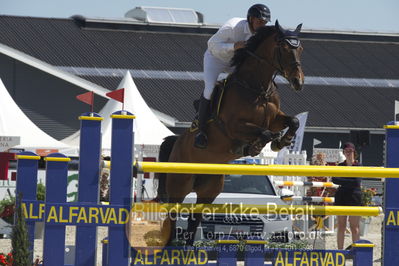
(10,200)
(367,196)
(41,191)
(5,259)
(296,244)
(20,239)
(205,243)
(7,209)
(8,203)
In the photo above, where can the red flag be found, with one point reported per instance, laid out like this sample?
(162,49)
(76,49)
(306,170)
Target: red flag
(87,97)
(5,157)
(118,95)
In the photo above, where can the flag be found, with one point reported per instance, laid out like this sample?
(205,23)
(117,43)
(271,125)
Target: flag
(118,95)
(87,97)
(296,144)
(316,142)
(298,139)
(396,109)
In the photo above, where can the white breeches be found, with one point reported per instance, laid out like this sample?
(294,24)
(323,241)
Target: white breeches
(212,68)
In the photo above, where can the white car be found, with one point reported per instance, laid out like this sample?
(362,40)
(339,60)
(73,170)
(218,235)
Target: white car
(243,189)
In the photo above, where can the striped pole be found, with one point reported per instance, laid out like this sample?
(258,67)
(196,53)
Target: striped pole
(304,184)
(309,199)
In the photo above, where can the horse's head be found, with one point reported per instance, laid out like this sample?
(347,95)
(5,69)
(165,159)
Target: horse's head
(287,55)
(275,48)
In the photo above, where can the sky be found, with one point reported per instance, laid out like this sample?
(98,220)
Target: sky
(338,15)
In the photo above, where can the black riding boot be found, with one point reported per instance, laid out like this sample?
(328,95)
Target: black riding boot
(201,139)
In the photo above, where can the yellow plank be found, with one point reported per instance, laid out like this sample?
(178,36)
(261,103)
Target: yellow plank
(282,170)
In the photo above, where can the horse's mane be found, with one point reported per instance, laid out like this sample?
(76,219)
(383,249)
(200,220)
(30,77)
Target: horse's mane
(240,55)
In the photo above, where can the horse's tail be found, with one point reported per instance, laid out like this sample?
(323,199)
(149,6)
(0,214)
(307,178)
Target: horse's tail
(164,153)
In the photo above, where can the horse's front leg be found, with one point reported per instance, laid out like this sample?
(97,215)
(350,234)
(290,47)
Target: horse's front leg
(282,121)
(248,132)
(250,138)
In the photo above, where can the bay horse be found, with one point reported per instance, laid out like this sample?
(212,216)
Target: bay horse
(249,117)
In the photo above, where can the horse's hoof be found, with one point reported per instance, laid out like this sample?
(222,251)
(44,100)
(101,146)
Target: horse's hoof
(274,146)
(266,136)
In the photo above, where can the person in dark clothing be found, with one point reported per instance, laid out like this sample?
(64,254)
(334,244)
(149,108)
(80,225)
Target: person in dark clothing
(348,194)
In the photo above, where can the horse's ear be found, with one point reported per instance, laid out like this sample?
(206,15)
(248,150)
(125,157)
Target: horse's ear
(298,28)
(278,27)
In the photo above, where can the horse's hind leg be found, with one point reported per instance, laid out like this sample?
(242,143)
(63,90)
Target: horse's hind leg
(282,121)
(207,187)
(177,188)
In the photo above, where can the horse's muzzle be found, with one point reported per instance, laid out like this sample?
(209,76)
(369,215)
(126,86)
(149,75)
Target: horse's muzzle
(296,83)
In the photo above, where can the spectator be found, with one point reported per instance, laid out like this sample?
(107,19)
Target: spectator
(320,159)
(348,194)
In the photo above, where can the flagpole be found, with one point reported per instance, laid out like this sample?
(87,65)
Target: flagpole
(92,102)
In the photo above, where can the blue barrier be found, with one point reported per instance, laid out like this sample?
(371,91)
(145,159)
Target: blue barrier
(87,214)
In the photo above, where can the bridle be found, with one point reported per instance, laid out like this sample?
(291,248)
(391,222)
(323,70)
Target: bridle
(293,43)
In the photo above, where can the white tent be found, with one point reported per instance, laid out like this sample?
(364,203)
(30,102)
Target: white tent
(148,130)
(13,122)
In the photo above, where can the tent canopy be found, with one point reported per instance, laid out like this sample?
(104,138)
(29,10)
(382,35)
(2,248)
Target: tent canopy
(14,122)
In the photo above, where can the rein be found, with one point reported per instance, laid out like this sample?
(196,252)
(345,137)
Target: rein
(263,92)
(279,68)
(264,60)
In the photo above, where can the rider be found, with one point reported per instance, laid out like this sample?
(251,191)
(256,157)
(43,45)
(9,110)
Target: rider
(221,46)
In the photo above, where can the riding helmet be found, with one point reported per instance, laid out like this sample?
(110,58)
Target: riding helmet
(259,11)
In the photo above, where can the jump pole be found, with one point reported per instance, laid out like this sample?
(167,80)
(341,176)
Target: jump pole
(283,170)
(252,209)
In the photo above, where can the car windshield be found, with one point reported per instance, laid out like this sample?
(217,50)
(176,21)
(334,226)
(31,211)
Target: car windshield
(251,184)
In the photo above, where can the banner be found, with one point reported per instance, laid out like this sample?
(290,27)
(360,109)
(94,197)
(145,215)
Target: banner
(296,144)
(316,142)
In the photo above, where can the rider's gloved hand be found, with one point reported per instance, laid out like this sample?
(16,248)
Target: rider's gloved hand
(239,45)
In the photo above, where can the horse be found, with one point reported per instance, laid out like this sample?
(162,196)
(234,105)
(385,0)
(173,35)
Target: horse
(249,117)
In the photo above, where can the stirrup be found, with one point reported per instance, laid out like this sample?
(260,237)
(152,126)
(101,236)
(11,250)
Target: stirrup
(201,140)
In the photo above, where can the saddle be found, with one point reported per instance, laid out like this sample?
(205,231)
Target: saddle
(240,148)
(216,100)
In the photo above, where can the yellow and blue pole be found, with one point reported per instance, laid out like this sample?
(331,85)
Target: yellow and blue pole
(88,189)
(122,144)
(391,202)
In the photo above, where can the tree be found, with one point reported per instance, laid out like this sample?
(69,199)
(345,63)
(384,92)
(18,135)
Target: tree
(20,238)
